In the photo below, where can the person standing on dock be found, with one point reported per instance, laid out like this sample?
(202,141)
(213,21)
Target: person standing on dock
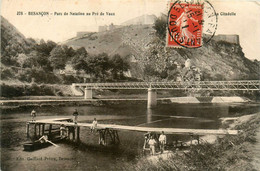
(94,125)
(75,114)
(152,143)
(162,140)
(33,114)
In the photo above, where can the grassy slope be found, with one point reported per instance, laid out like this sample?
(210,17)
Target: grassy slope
(115,41)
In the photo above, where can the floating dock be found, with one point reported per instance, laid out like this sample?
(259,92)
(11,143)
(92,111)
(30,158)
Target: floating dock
(47,126)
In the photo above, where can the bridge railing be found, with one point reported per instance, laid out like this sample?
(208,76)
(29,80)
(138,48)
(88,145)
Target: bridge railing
(182,85)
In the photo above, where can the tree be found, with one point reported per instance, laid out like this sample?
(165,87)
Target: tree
(31,60)
(80,63)
(69,51)
(81,51)
(99,65)
(37,60)
(160,26)
(150,71)
(80,60)
(45,48)
(118,66)
(21,59)
(58,58)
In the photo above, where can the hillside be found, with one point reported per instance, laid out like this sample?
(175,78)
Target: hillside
(114,41)
(220,59)
(12,41)
(131,41)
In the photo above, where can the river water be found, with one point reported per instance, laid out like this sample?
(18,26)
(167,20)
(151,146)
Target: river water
(88,155)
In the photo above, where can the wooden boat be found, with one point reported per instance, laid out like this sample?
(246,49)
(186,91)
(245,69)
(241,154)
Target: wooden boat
(36,145)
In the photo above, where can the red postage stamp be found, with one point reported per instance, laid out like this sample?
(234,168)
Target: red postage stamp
(185,25)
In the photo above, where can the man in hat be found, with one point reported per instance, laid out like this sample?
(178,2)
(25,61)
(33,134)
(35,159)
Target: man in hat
(75,114)
(152,143)
(162,140)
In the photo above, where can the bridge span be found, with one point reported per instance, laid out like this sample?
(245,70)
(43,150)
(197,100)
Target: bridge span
(238,85)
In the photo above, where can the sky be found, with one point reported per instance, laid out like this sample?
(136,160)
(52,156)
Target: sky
(60,28)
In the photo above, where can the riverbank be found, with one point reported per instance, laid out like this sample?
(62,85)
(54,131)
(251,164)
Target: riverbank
(39,101)
(226,153)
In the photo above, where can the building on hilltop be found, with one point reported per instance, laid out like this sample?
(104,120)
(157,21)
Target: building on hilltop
(141,20)
(108,28)
(227,38)
(82,33)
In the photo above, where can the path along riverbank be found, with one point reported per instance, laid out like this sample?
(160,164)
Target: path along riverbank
(214,153)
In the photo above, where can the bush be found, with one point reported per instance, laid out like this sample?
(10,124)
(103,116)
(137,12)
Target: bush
(11,91)
(47,90)
(39,75)
(28,90)
(6,74)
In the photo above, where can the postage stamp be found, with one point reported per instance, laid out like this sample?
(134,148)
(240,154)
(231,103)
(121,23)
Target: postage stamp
(190,24)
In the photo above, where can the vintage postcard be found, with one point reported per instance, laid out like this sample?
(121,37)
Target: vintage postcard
(130,85)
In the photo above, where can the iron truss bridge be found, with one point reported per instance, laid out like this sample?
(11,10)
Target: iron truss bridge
(252,85)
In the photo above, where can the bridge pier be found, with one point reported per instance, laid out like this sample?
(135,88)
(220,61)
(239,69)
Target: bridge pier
(88,93)
(152,98)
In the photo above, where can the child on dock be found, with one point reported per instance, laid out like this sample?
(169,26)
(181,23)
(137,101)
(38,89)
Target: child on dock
(94,125)
(75,113)
(63,131)
(33,114)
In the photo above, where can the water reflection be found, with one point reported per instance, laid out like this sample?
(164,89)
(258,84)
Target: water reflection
(149,114)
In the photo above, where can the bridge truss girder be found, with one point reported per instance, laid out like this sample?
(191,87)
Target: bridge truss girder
(245,85)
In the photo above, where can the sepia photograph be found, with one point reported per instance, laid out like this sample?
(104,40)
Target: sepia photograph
(130,85)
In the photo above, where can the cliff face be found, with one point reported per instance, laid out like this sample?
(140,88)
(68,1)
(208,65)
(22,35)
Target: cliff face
(217,60)
(220,59)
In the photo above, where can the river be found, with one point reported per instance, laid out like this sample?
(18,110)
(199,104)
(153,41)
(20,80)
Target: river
(88,155)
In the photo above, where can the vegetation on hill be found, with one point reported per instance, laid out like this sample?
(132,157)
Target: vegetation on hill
(28,61)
